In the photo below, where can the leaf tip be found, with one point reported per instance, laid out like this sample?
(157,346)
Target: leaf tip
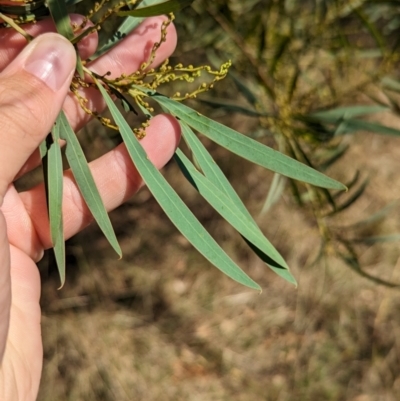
(62,279)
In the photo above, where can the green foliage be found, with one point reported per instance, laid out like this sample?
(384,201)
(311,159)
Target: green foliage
(85,181)
(300,66)
(144,89)
(296,64)
(53,171)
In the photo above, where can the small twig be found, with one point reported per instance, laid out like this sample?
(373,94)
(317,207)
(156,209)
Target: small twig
(12,24)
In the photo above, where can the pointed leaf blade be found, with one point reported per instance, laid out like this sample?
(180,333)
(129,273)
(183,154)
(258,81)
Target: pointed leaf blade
(354,125)
(228,210)
(247,147)
(210,168)
(59,13)
(55,194)
(172,204)
(214,174)
(274,193)
(86,183)
(341,113)
(283,273)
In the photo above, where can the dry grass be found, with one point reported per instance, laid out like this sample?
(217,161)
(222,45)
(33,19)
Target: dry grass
(162,324)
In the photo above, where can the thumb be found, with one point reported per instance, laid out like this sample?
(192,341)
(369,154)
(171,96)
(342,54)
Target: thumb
(32,91)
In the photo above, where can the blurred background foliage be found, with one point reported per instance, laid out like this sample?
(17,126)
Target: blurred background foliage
(318,80)
(310,73)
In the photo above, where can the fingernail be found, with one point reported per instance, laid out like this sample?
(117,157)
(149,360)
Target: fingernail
(52,60)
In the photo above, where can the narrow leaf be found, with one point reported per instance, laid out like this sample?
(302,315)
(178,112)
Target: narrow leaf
(59,13)
(348,126)
(224,105)
(274,193)
(247,147)
(340,113)
(86,184)
(43,149)
(228,210)
(211,169)
(349,184)
(333,156)
(217,179)
(356,195)
(284,273)
(55,181)
(173,206)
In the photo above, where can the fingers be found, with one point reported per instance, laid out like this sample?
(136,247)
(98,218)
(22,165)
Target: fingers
(160,143)
(126,58)
(15,42)
(115,176)
(32,91)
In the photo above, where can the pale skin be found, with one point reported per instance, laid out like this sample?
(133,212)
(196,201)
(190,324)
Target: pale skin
(30,98)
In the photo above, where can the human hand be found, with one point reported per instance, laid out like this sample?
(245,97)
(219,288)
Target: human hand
(34,83)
